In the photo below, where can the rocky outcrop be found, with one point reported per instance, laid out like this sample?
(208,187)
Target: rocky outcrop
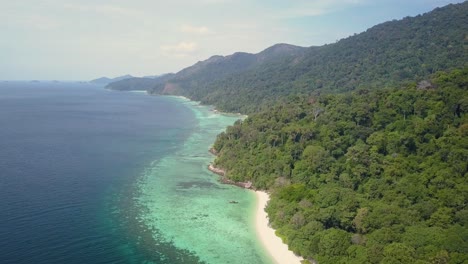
(225,180)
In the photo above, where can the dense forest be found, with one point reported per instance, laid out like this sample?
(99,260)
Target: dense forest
(362,177)
(386,55)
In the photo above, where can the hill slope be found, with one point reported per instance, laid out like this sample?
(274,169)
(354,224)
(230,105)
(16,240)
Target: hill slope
(193,79)
(386,55)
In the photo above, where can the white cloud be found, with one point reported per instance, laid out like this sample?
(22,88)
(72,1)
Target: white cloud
(194,30)
(181,49)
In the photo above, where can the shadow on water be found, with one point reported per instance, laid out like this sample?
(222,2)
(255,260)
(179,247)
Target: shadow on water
(185,185)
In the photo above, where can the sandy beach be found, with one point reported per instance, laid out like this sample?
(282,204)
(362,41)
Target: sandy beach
(272,243)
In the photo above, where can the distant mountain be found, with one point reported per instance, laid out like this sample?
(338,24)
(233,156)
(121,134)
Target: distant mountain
(279,50)
(385,55)
(220,67)
(215,68)
(139,83)
(105,80)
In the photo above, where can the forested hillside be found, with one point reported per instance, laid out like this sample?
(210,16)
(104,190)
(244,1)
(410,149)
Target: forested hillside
(363,177)
(194,79)
(386,55)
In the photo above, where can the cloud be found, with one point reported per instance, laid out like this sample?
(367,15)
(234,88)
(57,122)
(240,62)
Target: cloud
(181,49)
(194,30)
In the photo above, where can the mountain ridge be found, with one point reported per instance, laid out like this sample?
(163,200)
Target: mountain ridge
(106,80)
(385,55)
(217,67)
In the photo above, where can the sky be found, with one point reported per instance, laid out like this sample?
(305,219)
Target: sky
(87,39)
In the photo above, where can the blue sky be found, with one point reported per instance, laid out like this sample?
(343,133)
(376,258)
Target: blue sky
(86,39)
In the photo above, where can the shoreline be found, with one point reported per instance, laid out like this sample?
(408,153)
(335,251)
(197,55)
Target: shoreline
(270,241)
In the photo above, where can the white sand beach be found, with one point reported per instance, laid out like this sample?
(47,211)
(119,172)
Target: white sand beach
(272,243)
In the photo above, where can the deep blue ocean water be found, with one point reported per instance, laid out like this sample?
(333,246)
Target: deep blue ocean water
(89,175)
(69,156)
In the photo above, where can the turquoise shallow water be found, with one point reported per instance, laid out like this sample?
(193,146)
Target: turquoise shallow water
(185,206)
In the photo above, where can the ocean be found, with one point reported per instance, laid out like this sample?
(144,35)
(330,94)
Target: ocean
(89,175)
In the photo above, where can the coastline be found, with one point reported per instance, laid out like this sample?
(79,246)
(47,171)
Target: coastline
(271,242)
(272,245)
(187,208)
